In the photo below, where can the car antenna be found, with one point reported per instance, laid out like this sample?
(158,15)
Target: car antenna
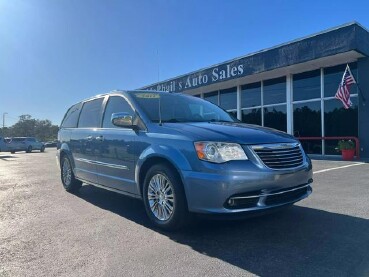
(160,123)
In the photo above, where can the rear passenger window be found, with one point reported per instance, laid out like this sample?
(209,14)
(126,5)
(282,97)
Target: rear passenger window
(90,114)
(71,118)
(116,104)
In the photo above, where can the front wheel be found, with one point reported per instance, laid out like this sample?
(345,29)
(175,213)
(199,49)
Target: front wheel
(29,149)
(70,183)
(42,149)
(164,198)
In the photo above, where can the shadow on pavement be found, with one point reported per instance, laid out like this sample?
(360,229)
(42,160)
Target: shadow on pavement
(6,157)
(297,241)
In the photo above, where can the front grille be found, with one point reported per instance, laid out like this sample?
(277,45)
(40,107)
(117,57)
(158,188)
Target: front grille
(280,156)
(286,196)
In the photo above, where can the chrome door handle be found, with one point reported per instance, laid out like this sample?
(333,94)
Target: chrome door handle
(100,138)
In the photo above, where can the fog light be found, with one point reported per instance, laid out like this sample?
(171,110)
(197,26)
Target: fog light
(231,202)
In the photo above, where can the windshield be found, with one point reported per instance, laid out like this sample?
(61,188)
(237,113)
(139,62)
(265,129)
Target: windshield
(176,107)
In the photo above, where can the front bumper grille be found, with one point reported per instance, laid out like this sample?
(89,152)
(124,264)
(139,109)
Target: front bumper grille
(273,198)
(280,156)
(285,197)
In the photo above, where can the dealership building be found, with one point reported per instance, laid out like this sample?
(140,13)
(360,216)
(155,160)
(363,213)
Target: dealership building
(291,87)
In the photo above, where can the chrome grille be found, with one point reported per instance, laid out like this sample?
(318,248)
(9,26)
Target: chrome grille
(280,156)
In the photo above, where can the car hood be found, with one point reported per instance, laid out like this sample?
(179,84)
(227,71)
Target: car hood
(231,132)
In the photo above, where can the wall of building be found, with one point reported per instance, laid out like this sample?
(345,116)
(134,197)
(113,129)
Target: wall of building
(363,80)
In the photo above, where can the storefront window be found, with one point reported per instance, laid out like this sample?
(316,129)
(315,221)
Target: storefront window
(251,95)
(339,122)
(233,114)
(307,123)
(306,85)
(252,116)
(274,91)
(212,97)
(276,117)
(228,98)
(333,76)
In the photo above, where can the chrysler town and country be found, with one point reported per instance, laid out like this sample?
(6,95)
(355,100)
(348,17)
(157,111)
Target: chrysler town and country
(180,155)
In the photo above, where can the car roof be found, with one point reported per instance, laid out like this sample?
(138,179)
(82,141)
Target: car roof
(114,92)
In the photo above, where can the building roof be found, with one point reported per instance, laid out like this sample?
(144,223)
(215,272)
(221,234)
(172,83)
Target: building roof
(351,39)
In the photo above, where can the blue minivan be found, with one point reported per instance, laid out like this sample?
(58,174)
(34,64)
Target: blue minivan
(180,155)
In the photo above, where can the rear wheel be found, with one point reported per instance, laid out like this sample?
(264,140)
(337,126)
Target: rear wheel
(29,149)
(164,198)
(70,183)
(42,149)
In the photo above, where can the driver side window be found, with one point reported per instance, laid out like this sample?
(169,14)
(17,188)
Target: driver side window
(116,104)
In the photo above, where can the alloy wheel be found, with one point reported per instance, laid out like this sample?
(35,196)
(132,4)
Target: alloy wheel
(160,194)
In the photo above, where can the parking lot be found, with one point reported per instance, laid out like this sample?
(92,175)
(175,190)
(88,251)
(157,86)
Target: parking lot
(45,231)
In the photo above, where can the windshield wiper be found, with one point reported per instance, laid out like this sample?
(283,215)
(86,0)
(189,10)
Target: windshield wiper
(172,120)
(219,120)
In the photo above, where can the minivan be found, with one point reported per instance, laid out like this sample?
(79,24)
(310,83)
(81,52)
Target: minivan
(181,155)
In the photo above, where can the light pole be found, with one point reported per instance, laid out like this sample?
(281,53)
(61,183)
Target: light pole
(4,123)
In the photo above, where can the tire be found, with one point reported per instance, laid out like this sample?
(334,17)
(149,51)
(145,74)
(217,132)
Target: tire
(29,149)
(166,206)
(12,152)
(42,149)
(70,183)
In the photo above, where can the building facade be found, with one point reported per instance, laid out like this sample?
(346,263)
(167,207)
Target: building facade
(291,87)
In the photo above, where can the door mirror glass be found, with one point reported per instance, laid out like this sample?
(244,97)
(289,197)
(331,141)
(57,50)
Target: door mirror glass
(122,120)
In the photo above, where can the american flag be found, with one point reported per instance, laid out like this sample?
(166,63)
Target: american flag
(343,92)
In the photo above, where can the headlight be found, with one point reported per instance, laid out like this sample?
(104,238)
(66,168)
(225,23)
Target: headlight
(219,152)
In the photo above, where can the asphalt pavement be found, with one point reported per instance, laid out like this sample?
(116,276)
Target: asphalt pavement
(45,231)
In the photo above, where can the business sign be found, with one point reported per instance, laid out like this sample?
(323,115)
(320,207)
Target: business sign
(213,75)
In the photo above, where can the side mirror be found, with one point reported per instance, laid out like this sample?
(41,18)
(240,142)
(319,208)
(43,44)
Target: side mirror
(122,120)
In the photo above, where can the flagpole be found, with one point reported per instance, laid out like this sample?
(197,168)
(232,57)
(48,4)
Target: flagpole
(361,94)
(357,84)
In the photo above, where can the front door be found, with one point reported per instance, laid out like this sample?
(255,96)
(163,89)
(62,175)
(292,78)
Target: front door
(116,150)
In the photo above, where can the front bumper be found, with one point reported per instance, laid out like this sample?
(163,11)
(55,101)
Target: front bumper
(247,190)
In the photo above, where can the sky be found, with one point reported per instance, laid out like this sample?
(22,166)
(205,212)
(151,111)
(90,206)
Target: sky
(54,53)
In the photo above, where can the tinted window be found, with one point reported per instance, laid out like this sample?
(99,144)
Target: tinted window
(179,108)
(307,123)
(212,97)
(18,139)
(276,117)
(90,114)
(306,85)
(228,99)
(251,95)
(339,122)
(251,116)
(333,76)
(275,91)
(71,118)
(116,104)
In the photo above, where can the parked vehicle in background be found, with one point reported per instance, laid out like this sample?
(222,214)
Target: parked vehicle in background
(27,144)
(180,154)
(50,144)
(4,144)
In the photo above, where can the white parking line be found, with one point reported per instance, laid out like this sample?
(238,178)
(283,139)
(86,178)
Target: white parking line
(339,167)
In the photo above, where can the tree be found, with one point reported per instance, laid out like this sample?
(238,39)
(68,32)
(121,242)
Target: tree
(27,126)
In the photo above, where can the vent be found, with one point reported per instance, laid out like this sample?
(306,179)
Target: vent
(287,196)
(280,156)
